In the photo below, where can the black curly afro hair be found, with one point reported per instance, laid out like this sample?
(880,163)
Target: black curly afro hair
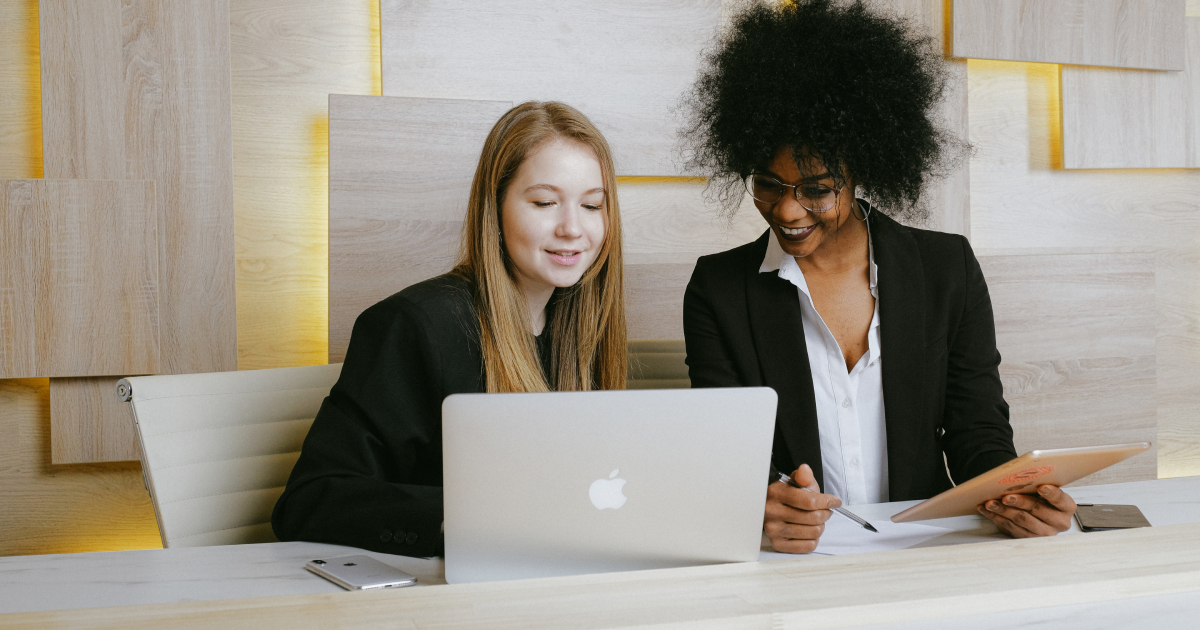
(832,80)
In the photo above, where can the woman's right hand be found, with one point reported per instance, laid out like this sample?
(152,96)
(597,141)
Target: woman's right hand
(794,519)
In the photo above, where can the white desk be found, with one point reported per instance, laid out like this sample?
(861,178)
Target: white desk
(72,581)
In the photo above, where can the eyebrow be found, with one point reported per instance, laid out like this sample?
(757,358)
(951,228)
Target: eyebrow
(553,188)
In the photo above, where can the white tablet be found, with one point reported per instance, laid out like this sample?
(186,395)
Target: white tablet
(1023,475)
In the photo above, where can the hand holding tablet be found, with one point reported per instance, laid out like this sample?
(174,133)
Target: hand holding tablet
(1023,496)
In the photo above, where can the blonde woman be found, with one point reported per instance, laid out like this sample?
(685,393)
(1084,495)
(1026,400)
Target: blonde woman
(534,304)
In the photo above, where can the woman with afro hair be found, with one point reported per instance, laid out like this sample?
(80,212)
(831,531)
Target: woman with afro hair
(878,337)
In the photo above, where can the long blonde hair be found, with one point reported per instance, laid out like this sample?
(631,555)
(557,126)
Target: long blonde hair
(587,320)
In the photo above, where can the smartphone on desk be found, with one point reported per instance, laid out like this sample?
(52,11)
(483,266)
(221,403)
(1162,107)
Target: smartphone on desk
(357,573)
(1103,518)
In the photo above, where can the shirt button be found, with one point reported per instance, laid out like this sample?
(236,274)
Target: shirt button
(385,536)
(411,538)
(854,462)
(846,403)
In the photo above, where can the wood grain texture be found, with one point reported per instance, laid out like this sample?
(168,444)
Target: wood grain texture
(141,90)
(1077,336)
(62,509)
(78,278)
(623,63)
(1127,119)
(1120,33)
(1021,198)
(288,56)
(914,587)
(400,172)
(21,93)
(89,424)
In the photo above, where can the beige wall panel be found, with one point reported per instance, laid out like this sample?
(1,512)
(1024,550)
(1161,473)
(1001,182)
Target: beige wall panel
(83,89)
(20,91)
(1021,198)
(1128,119)
(89,424)
(623,63)
(654,298)
(288,56)
(62,509)
(141,90)
(1077,336)
(400,173)
(1120,33)
(78,278)
(144,86)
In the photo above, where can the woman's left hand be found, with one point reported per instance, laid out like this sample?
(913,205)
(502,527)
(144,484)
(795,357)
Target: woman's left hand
(1026,515)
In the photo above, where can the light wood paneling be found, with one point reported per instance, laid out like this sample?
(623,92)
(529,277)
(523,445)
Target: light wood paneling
(288,56)
(1120,33)
(89,424)
(78,278)
(141,90)
(1022,198)
(623,63)
(20,91)
(1124,119)
(62,509)
(400,173)
(1077,337)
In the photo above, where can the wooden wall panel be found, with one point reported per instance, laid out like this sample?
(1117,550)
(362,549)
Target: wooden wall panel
(1077,336)
(141,90)
(1021,198)
(62,509)
(78,278)
(1121,33)
(400,172)
(1129,119)
(288,56)
(20,91)
(623,63)
(84,422)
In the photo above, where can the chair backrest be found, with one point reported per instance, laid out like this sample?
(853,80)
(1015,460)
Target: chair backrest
(657,364)
(217,448)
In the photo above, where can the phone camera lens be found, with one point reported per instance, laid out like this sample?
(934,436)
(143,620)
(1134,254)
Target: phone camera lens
(318,562)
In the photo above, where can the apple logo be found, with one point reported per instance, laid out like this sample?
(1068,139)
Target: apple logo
(607,493)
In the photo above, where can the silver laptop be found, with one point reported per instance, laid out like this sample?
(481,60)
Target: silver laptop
(564,483)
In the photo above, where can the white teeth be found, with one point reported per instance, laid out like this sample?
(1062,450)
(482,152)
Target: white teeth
(793,231)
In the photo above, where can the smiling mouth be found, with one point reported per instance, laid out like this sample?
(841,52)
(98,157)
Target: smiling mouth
(799,233)
(566,257)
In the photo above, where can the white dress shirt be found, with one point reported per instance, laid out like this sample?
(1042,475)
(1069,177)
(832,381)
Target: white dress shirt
(849,405)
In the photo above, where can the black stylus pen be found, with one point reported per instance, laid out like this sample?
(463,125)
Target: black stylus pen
(843,511)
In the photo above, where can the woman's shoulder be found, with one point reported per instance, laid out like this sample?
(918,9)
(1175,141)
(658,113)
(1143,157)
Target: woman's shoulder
(732,262)
(444,300)
(932,244)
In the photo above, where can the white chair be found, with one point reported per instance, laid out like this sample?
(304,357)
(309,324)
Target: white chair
(217,448)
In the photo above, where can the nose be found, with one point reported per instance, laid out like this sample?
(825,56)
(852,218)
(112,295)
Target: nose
(788,209)
(568,223)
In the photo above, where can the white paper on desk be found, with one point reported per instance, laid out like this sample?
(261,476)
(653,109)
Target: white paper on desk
(843,536)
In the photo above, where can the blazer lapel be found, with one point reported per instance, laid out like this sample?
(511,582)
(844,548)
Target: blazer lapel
(902,337)
(777,327)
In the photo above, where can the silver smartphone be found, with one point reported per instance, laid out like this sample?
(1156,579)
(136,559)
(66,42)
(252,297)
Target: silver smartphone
(356,573)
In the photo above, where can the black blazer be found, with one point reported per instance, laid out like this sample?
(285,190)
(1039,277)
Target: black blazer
(941,386)
(370,471)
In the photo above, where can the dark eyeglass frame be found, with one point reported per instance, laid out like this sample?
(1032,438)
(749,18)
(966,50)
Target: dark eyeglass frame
(837,191)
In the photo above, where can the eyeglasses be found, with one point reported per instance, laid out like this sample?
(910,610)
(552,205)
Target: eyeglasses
(814,196)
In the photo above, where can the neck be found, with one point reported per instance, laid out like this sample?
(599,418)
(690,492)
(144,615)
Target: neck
(536,301)
(843,250)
